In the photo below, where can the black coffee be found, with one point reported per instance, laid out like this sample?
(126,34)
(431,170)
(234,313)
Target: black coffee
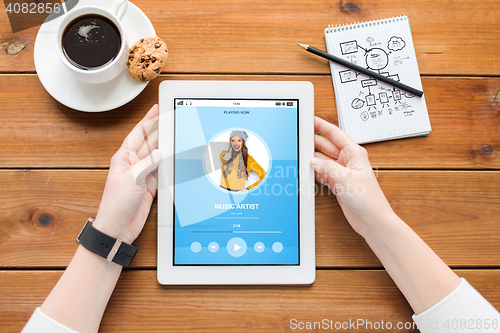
(91,41)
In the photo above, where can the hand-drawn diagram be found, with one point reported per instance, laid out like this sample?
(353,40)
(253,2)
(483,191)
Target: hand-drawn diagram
(375,99)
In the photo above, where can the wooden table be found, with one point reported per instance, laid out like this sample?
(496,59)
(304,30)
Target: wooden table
(54,161)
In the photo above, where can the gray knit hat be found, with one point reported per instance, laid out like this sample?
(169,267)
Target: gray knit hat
(241,134)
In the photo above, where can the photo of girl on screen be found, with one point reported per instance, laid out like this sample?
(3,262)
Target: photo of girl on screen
(237,163)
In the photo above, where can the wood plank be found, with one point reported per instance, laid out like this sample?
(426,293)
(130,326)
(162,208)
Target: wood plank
(140,304)
(456,212)
(235,36)
(38,132)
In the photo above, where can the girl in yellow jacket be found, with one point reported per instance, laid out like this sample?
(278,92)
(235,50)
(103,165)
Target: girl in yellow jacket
(237,163)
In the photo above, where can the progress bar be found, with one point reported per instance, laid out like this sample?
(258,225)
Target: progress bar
(234,232)
(256,232)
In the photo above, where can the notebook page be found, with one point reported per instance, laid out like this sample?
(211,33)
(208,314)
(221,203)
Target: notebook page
(370,110)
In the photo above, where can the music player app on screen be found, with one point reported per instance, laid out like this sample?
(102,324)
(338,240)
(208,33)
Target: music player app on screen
(236,182)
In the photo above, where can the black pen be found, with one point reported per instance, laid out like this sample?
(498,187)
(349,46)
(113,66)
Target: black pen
(363,70)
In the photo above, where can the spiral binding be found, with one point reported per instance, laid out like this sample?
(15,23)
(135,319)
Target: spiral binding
(364,24)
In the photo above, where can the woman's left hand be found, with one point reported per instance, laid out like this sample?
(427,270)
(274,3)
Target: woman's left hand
(131,185)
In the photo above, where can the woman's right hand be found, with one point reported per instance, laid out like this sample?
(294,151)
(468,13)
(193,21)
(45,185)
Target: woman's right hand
(343,165)
(423,278)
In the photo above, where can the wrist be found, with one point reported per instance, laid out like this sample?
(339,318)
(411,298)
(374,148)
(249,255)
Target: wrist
(377,223)
(111,227)
(93,259)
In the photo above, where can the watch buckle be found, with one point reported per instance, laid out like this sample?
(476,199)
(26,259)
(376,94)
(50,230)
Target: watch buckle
(114,250)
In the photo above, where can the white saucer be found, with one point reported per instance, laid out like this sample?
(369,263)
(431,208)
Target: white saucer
(76,94)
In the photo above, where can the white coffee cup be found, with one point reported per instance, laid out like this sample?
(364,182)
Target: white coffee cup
(102,74)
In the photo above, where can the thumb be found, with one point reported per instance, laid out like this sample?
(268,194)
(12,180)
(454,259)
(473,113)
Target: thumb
(145,166)
(328,168)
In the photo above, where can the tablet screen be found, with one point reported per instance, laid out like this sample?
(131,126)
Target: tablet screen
(236,182)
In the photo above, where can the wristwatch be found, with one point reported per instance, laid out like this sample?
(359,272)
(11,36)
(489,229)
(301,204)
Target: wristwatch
(112,249)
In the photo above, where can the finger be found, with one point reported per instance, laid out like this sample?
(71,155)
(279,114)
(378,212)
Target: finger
(338,137)
(326,146)
(152,184)
(327,167)
(155,174)
(136,137)
(322,179)
(145,166)
(150,143)
(322,156)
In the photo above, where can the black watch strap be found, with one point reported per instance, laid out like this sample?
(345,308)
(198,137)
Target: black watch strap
(106,246)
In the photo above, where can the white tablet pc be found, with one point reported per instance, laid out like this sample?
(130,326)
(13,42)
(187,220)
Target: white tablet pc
(236,190)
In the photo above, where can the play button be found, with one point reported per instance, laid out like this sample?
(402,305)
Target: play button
(236,247)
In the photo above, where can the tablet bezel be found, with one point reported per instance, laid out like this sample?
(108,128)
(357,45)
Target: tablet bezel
(305,272)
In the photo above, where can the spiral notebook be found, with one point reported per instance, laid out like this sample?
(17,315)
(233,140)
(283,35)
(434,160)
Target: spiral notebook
(369,110)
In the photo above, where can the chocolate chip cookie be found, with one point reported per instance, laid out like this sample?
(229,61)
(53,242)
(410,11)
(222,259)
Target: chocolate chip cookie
(147,58)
